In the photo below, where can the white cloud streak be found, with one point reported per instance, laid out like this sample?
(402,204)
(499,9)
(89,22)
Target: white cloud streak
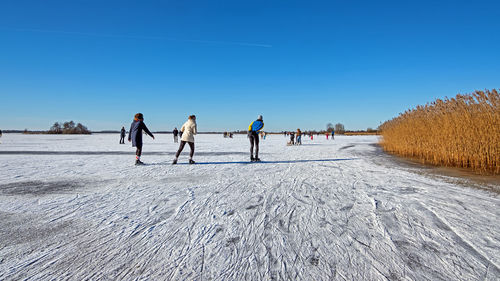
(244,44)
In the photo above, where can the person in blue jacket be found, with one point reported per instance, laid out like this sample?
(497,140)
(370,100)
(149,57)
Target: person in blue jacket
(135,136)
(253,135)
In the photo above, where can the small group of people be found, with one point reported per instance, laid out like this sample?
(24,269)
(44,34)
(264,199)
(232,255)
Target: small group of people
(263,135)
(333,135)
(176,134)
(295,137)
(228,135)
(187,133)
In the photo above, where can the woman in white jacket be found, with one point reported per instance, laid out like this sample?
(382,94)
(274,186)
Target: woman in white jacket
(188,130)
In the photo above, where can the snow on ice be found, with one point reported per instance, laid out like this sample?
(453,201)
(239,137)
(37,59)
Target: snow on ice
(75,207)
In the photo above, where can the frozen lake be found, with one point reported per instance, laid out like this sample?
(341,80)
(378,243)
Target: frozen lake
(75,207)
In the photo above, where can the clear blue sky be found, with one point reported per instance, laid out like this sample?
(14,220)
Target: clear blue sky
(301,64)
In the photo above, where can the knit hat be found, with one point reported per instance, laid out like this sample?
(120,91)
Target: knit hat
(259,117)
(139,116)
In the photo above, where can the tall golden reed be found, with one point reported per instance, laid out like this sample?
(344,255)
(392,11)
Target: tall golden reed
(463,132)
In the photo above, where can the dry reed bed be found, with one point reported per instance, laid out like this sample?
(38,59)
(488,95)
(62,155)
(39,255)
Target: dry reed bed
(463,131)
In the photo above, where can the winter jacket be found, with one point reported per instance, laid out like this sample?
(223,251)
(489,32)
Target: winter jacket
(175,132)
(135,133)
(256,126)
(188,130)
(122,133)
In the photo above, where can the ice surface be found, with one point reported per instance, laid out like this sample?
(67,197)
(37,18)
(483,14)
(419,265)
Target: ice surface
(75,207)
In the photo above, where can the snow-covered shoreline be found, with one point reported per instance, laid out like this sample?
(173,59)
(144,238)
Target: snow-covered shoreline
(326,210)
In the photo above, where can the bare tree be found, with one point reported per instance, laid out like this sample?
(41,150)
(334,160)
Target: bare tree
(329,127)
(55,129)
(80,129)
(339,128)
(68,127)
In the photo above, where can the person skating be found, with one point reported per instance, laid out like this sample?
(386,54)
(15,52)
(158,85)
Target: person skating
(299,137)
(122,135)
(135,136)
(333,134)
(176,133)
(253,136)
(188,130)
(292,138)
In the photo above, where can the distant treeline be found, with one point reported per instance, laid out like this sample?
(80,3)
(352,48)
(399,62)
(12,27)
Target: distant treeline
(315,132)
(61,128)
(72,128)
(69,128)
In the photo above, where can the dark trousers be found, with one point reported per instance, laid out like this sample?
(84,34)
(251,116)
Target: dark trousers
(181,147)
(138,151)
(122,139)
(254,141)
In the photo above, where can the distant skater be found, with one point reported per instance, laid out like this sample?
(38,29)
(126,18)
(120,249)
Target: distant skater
(327,135)
(253,136)
(135,136)
(122,135)
(333,134)
(176,133)
(292,138)
(299,137)
(188,130)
